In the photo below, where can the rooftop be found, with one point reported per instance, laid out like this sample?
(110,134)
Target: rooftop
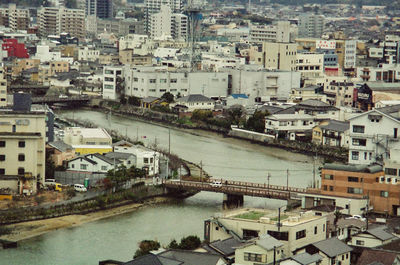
(354,168)
(332,247)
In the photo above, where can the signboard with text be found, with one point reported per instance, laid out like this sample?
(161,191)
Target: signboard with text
(325,44)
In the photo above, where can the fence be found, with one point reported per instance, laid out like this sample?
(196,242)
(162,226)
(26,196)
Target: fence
(69,177)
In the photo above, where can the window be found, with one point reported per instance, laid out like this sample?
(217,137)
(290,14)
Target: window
(152,81)
(330,188)
(354,155)
(145,160)
(283,236)
(384,194)
(300,234)
(163,80)
(2,157)
(14,128)
(354,190)
(358,129)
(21,171)
(21,157)
(391,171)
(83,166)
(326,176)
(2,171)
(21,144)
(359,243)
(173,80)
(135,79)
(323,228)
(359,142)
(109,79)
(315,230)
(352,179)
(2,143)
(252,257)
(103,167)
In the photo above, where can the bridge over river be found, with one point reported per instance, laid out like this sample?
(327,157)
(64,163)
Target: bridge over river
(235,190)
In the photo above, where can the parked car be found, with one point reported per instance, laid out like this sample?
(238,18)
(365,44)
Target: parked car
(216,183)
(79,187)
(357,217)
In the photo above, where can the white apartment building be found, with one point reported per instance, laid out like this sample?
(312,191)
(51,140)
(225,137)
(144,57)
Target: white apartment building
(112,82)
(3,87)
(179,26)
(296,231)
(263,84)
(280,56)
(22,150)
(14,18)
(215,62)
(88,54)
(311,26)
(350,53)
(150,81)
(340,93)
(160,23)
(154,6)
(53,21)
(132,41)
(275,33)
(310,65)
(372,136)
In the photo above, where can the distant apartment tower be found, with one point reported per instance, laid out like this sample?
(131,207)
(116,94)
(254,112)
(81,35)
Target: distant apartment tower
(54,21)
(164,24)
(279,56)
(3,87)
(154,6)
(311,26)
(99,8)
(14,18)
(276,33)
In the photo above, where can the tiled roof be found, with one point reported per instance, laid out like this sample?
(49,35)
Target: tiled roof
(372,256)
(332,247)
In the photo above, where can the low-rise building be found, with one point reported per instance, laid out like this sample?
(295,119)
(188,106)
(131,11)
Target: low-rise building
(60,152)
(92,163)
(195,102)
(332,133)
(373,237)
(308,92)
(88,140)
(332,251)
(296,230)
(303,259)
(289,125)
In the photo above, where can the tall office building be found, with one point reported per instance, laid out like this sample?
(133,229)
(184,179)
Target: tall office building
(165,24)
(99,8)
(311,26)
(3,87)
(14,18)
(54,21)
(154,7)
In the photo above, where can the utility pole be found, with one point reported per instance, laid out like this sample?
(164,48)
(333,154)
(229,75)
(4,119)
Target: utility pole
(201,171)
(279,219)
(287,179)
(268,177)
(137,134)
(169,141)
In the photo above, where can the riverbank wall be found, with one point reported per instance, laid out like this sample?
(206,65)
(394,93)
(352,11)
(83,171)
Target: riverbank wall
(329,153)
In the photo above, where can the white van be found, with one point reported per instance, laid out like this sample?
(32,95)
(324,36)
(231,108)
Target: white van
(79,187)
(216,183)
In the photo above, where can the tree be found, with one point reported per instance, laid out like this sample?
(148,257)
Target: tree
(123,100)
(145,247)
(173,245)
(168,97)
(256,122)
(235,114)
(135,101)
(201,115)
(190,242)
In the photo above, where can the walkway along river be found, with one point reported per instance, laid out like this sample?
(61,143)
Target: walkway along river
(117,237)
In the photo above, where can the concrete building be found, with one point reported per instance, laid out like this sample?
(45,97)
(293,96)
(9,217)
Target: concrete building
(99,8)
(154,6)
(22,147)
(305,93)
(88,54)
(112,82)
(3,87)
(60,152)
(311,26)
(310,65)
(279,32)
(88,140)
(167,25)
(54,21)
(340,93)
(289,125)
(332,133)
(296,230)
(14,18)
(280,56)
(350,49)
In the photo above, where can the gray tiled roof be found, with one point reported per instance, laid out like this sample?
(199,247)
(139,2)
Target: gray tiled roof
(380,232)
(60,145)
(314,103)
(332,247)
(268,242)
(305,258)
(191,258)
(149,99)
(152,259)
(226,247)
(194,98)
(104,158)
(383,86)
(118,155)
(337,126)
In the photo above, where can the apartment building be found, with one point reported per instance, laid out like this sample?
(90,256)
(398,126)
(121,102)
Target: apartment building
(311,26)
(154,6)
(340,93)
(22,147)
(279,32)
(53,21)
(112,82)
(296,230)
(3,87)
(99,8)
(310,65)
(88,54)
(166,25)
(14,18)
(279,56)
(363,181)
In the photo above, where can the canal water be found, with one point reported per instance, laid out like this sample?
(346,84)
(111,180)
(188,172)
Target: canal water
(117,237)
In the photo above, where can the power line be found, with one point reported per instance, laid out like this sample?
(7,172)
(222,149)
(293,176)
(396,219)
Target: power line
(256,169)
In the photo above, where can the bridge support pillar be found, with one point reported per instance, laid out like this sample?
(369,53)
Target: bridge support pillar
(231,201)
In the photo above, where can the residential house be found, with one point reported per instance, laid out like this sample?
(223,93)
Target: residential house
(332,251)
(127,159)
(340,93)
(93,163)
(60,152)
(195,102)
(308,92)
(331,133)
(264,249)
(289,126)
(373,237)
(225,247)
(345,228)
(149,102)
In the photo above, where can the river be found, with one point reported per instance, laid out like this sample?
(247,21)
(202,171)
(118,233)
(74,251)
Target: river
(117,237)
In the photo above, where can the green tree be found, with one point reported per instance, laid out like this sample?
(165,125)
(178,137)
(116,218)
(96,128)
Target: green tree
(201,115)
(190,243)
(173,245)
(135,101)
(235,114)
(123,100)
(168,97)
(256,122)
(145,247)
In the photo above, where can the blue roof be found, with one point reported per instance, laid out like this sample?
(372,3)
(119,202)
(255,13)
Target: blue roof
(236,96)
